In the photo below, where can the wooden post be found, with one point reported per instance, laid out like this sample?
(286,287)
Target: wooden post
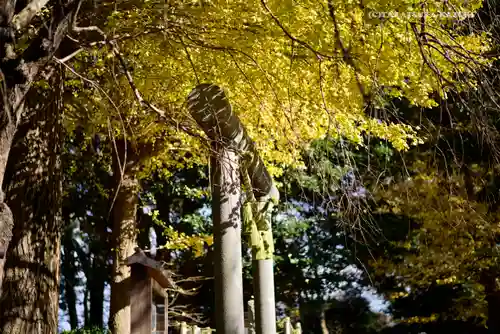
(166,312)
(140,300)
(147,276)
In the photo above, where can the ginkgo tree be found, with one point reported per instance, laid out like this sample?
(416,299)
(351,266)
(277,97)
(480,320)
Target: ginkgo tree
(293,70)
(296,71)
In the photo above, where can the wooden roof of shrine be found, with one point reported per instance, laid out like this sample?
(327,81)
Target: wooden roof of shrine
(162,279)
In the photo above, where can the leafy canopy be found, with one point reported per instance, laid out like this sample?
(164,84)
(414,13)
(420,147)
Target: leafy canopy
(294,70)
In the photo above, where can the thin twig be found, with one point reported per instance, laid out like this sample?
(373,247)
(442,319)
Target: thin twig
(289,35)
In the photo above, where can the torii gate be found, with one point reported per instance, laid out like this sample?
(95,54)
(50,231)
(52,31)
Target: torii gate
(234,161)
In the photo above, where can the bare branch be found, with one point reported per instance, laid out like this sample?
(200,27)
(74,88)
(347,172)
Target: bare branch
(426,60)
(76,28)
(70,56)
(24,17)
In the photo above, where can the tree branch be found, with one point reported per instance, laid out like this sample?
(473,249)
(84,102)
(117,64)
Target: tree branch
(425,59)
(345,53)
(24,17)
(289,35)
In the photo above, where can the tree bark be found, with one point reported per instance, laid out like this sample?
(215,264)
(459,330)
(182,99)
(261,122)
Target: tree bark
(8,128)
(97,281)
(18,71)
(125,162)
(324,326)
(70,281)
(86,307)
(33,180)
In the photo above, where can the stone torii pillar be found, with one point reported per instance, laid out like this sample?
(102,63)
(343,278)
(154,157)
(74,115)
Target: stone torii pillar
(231,147)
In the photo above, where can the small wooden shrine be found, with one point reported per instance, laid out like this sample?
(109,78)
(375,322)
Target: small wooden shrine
(148,294)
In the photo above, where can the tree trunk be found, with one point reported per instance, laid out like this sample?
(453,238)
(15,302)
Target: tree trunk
(70,300)
(86,307)
(6,218)
(19,70)
(96,287)
(70,281)
(33,180)
(324,326)
(11,109)
(492,291)
(125,163)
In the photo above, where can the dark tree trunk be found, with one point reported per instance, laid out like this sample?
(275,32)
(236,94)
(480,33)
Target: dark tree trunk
(97,282)
(99,249)
(86,307)
(70,300)
(33,180)
(491,288)
(69,271)
(125,163)
(84,259)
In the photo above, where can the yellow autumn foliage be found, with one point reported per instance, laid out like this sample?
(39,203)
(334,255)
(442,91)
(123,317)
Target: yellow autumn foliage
(294,70)
(181,241)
